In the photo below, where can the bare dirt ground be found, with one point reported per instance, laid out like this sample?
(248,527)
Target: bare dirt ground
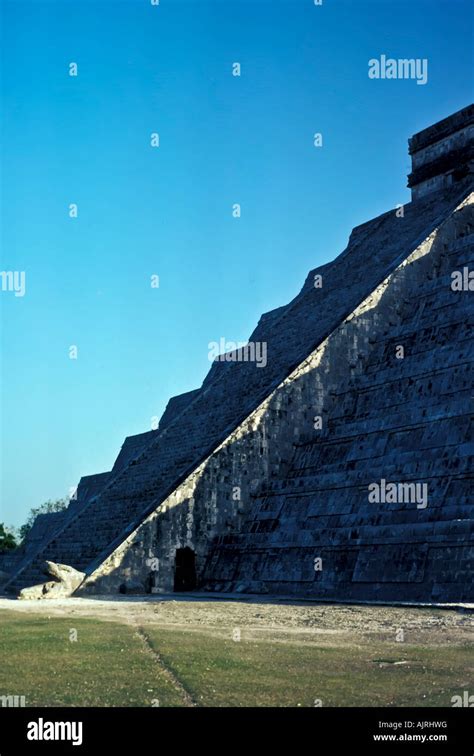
(262,617)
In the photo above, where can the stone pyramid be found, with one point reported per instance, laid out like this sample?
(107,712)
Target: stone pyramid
(341,469)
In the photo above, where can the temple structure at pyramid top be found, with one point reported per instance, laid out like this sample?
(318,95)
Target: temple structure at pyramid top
(443,154)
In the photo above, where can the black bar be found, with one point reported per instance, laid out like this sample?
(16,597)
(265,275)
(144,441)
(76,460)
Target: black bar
(315,730)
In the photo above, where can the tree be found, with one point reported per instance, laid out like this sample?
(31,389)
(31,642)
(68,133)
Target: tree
(49,506)
(7,539)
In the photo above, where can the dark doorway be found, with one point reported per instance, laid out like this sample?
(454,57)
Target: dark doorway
(185,570)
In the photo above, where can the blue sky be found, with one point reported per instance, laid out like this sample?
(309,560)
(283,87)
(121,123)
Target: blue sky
(168,210)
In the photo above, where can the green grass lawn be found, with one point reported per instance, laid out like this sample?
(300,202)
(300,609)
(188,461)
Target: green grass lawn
(107,665)
(227,673)
(110,665)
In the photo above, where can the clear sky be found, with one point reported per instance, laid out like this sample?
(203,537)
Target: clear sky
(143,210)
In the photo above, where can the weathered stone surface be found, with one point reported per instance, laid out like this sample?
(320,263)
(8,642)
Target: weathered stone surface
(40,591)
(67,580)
(63,572)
